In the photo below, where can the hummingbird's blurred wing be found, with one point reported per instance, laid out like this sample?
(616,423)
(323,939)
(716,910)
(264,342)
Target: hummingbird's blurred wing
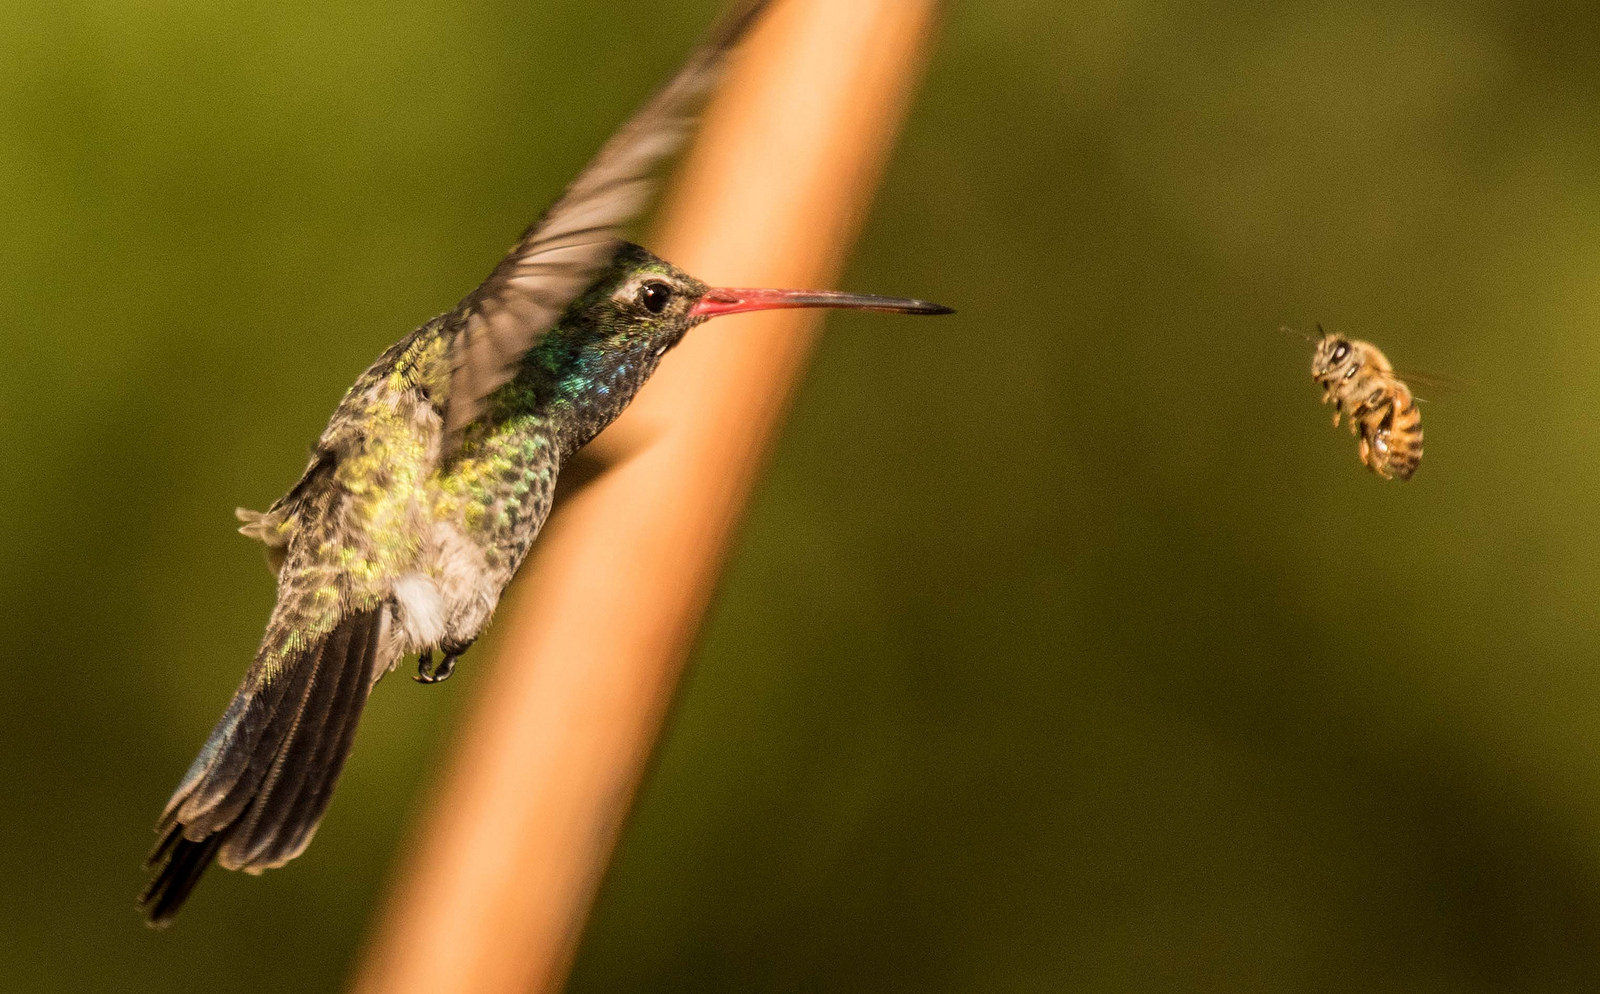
(567,249)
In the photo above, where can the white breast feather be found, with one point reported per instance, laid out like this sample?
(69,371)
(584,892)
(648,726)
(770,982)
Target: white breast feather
(420,611)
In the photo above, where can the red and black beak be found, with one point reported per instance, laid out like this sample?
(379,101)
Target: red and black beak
(738,300)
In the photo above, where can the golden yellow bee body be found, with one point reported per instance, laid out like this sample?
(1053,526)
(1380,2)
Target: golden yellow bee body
(1359,382)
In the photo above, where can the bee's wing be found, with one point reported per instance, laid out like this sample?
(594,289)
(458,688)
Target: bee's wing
(1433,383)
(564,252)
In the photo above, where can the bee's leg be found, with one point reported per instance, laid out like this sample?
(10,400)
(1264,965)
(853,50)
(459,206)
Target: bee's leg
(1358,421)
(1361,414)
(1377,452)
(1383,443)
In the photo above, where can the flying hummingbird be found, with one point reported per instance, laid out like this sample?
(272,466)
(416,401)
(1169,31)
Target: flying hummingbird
(432,480)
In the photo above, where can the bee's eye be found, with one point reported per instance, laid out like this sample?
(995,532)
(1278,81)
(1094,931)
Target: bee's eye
(653,296)
(1340,350)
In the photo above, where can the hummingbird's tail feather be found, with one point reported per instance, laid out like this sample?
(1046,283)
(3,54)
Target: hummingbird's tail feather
(254,796)
(185,862)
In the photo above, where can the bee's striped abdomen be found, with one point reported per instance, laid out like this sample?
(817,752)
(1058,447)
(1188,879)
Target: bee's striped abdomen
(1402,451)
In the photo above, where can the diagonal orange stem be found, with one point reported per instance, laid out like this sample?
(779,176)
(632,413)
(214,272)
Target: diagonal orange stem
(595,635)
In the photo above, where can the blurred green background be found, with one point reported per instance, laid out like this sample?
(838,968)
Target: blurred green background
(1066,647)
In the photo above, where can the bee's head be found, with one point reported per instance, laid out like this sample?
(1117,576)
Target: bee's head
(1334,357)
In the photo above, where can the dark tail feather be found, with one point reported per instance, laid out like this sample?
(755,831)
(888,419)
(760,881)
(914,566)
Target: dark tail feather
(254,796)
(185,862)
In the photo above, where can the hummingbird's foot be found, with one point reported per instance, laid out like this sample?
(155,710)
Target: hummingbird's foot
(428,673)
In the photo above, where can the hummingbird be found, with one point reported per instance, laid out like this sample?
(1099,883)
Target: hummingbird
(433,478)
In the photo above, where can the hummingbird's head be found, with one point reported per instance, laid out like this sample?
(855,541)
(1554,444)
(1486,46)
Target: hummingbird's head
(647,303)
(643,303)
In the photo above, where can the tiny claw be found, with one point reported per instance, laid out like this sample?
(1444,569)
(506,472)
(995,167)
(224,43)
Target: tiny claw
(447,666)
(425,670)
(428,673)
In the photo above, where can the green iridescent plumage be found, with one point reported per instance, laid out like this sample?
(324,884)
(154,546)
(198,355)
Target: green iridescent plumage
(361,515)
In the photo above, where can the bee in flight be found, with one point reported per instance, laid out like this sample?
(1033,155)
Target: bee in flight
(1359,382)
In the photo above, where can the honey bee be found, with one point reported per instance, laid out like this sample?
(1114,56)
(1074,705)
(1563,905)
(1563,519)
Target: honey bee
(1359,382)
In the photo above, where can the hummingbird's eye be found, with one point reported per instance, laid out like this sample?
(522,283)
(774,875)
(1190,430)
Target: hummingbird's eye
(1340,350)
(653,296)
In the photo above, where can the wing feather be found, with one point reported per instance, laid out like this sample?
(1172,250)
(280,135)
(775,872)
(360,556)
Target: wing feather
(565,251)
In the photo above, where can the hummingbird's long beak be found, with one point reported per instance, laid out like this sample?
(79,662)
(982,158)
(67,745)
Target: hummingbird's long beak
(737,300)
